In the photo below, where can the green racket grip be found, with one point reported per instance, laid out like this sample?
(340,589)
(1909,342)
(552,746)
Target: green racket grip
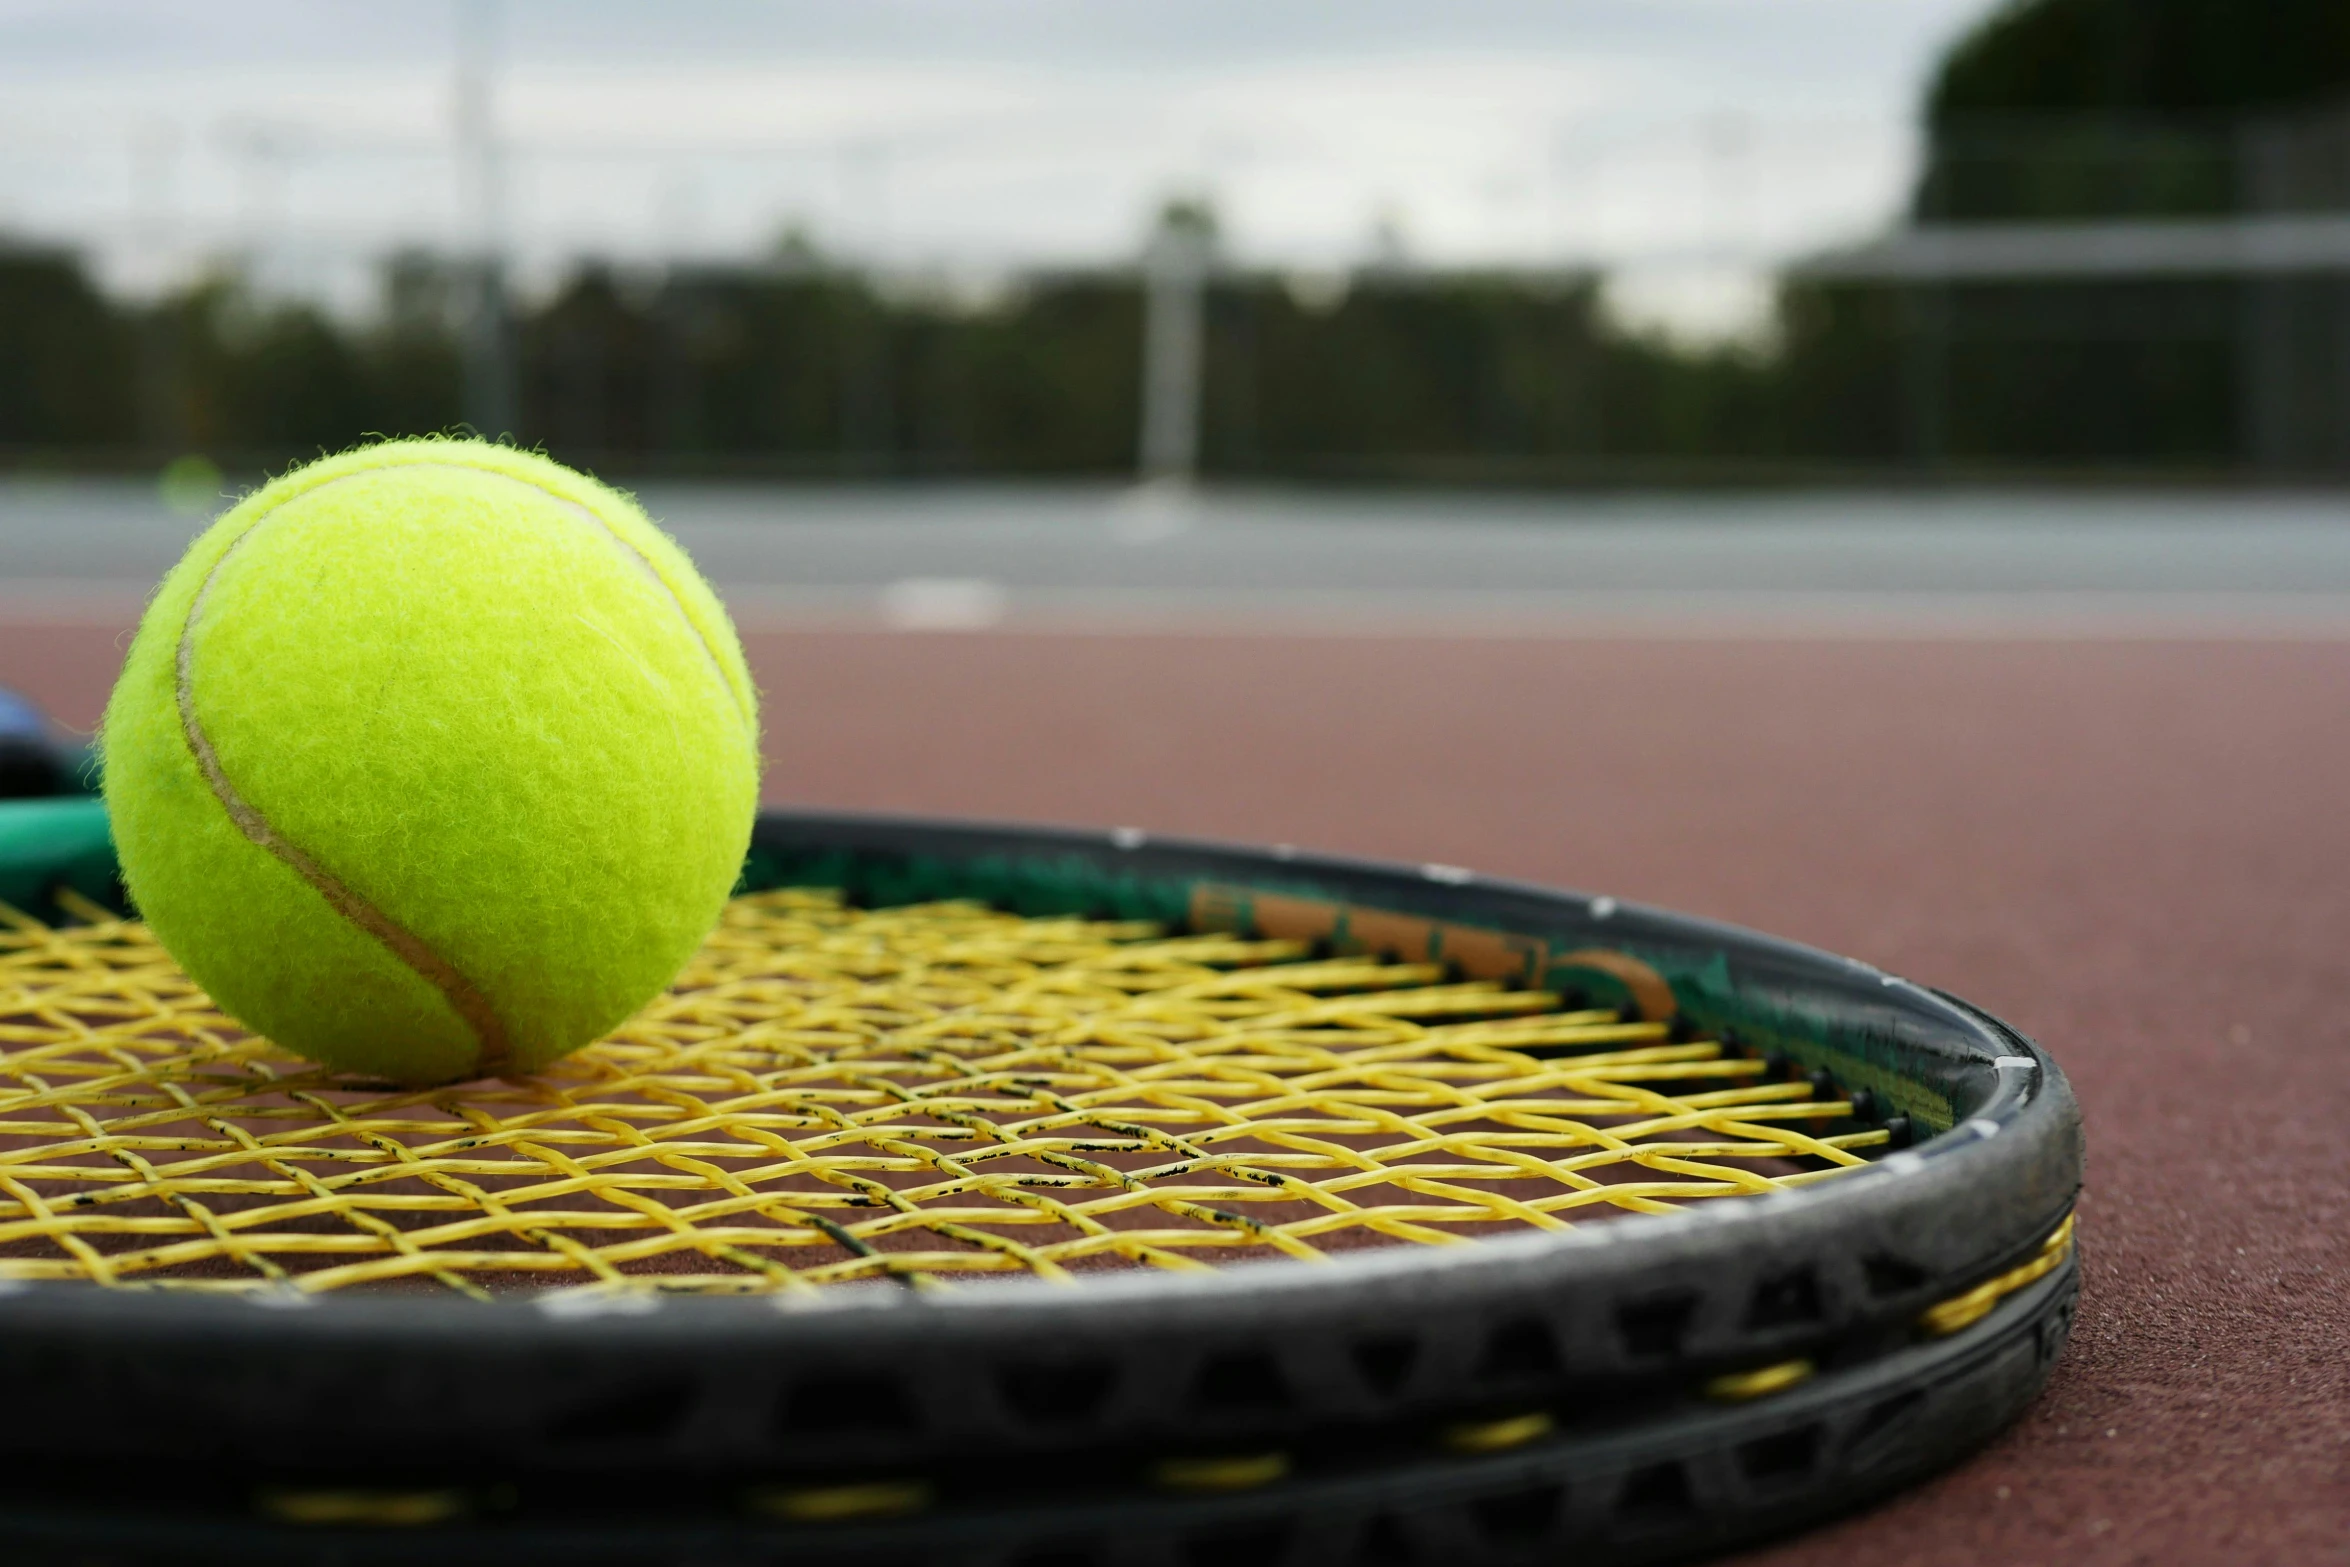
(46,845)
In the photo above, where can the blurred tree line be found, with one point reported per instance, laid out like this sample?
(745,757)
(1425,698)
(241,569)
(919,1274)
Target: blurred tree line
(801,368)
(1383,375)
(2072,111)
(2138,108)
(2049,111)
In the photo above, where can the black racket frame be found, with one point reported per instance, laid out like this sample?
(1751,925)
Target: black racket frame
(1037,1425)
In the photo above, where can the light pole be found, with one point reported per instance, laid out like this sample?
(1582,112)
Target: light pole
(487,344)
(1174,279)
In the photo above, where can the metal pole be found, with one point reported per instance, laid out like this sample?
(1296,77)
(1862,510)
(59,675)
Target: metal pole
(1174,273)
(1926,369)
(487,345)
(2264,351)
(162,415)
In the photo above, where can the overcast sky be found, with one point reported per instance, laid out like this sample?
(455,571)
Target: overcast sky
(1686,142)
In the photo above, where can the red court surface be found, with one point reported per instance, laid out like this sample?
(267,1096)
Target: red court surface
(2139,853)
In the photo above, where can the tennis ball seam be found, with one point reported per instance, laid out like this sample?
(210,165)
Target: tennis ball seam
(493,1045)
(634,557)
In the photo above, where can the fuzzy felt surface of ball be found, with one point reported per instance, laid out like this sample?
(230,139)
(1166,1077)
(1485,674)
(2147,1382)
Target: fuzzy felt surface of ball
(432,760)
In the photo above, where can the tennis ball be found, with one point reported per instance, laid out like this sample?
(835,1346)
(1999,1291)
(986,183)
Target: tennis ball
(432,760)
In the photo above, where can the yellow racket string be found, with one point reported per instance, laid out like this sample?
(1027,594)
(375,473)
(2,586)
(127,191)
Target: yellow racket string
(830,1095)
(1964,1311)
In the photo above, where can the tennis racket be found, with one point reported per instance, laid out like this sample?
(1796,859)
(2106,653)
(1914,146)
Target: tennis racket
(1011,1196)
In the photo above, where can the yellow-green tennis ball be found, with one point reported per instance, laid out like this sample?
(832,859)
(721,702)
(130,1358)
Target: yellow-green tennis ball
(432,760)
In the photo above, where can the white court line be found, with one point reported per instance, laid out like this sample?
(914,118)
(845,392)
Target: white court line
(1632,615)
(928,606)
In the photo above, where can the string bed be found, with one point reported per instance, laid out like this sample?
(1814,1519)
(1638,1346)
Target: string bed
(929,1095)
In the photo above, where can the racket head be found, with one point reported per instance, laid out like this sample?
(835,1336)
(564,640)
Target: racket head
(1614,1378)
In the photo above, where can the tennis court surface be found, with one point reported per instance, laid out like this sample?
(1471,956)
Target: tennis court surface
(2135,850)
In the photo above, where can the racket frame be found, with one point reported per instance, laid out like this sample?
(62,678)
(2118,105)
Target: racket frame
(1636,1324)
